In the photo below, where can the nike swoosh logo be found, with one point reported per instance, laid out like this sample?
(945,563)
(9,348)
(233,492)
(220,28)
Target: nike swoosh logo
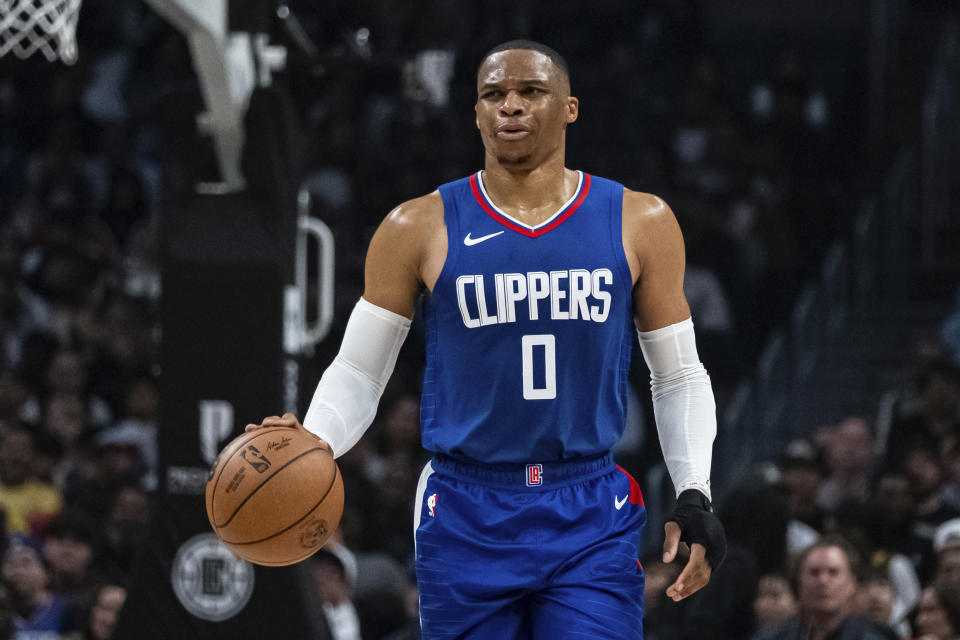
(619,503)
(472,241)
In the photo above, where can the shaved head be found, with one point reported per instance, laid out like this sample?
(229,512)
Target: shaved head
(523,104)
(530,45)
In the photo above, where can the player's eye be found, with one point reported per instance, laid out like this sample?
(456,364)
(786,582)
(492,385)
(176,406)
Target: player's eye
(490,95)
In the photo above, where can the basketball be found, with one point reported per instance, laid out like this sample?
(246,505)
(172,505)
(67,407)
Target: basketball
(274,496)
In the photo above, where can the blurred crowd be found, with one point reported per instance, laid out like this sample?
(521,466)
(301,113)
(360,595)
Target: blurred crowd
(860,534)
(861,522)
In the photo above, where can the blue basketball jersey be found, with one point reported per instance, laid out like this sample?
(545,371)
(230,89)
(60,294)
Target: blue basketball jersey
(529,329)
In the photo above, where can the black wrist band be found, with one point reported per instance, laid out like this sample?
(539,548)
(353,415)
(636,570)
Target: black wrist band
(696,498)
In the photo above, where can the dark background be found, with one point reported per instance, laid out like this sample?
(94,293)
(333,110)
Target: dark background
(806,149)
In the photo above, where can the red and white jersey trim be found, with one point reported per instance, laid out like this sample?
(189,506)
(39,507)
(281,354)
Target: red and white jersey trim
(564,212)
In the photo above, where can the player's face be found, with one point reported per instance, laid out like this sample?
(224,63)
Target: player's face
(523,107)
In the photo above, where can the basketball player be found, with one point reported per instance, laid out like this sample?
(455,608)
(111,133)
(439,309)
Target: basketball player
(533,273)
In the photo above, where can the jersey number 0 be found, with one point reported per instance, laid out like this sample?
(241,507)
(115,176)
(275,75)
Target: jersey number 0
(549,389)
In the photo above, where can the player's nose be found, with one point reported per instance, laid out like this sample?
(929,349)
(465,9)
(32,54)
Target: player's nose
(512,104)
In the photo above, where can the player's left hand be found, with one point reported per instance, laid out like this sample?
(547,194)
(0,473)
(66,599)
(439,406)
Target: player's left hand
(693,523)
(286,420)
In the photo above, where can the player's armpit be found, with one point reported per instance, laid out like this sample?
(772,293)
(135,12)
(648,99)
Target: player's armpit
(403,255)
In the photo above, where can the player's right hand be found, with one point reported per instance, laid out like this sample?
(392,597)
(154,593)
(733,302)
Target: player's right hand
(286,420)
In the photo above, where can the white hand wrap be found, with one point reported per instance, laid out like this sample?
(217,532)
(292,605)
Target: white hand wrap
(349,391)
(683,404)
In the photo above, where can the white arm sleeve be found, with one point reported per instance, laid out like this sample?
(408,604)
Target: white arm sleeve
(347,396)
(683,404)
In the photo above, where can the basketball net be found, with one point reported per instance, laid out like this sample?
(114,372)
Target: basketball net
(47,26)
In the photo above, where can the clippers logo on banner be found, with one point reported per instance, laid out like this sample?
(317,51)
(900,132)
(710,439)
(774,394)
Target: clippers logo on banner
(209,580)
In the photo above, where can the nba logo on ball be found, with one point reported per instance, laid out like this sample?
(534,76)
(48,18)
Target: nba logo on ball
(534,475)
(432,504)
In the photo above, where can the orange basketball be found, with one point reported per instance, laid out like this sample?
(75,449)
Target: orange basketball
(274,496)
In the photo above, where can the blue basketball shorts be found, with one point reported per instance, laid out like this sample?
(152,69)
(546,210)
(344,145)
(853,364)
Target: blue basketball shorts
(540,551)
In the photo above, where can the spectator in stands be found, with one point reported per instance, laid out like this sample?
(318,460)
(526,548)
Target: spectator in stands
(139,425)
(411,603)
(851,462)
(874,599)
(946,544)
(24,500)
(104,610)
(924,476)
(36,607)
(938,616)
(774,603)
(926,408)
(363,472)
(883,567)
(48,459)
(661,618)
(124,529)
(334,571)
(68,555)
(65,420)
(393,520)
(380,594)
(401,434)
(67,377)
(826,583)
(115,463)
(802,472)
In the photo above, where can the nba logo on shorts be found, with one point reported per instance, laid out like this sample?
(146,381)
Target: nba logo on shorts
(534,475)
(432,504)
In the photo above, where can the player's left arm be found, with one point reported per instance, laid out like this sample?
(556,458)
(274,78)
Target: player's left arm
(682,394)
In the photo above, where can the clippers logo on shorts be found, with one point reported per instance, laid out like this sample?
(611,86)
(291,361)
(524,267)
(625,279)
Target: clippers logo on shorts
(209,580)
(432,505)
(255,459)
(534,475)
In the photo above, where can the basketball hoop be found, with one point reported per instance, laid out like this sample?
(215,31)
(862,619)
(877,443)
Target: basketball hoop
(47,26)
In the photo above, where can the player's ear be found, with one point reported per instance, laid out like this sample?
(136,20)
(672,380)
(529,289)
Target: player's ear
(573,109)
(476,117)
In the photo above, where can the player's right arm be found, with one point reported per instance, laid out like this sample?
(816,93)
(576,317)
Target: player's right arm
(405,255)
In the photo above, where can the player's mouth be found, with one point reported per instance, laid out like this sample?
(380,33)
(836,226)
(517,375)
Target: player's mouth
(512,132)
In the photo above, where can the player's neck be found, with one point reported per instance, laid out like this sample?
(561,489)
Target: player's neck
(530,195)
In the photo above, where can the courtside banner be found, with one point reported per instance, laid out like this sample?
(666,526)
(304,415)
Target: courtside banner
(226,263)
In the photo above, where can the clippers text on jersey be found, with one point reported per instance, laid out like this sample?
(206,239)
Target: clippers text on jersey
(574,294)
